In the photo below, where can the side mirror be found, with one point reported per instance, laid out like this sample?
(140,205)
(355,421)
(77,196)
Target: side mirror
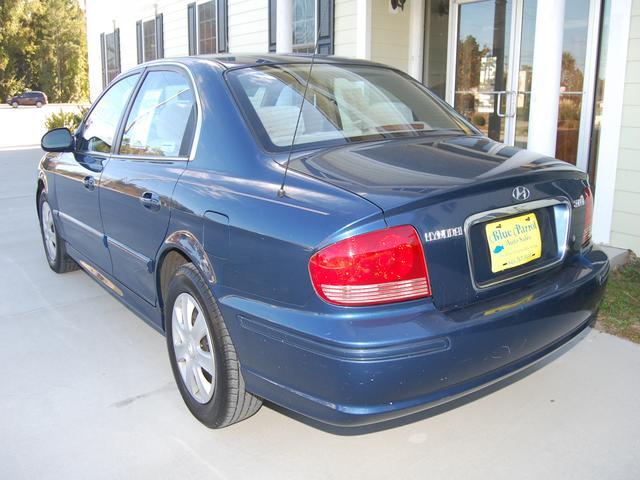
(57,140)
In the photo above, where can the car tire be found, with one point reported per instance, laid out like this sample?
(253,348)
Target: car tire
(39,104)
(14,104)
(196,349)
(54,246)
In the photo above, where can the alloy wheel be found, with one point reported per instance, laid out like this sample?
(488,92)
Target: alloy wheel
(193,348)
(49,231)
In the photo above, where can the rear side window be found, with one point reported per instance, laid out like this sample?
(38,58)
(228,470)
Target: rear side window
(161,120)
(100,127)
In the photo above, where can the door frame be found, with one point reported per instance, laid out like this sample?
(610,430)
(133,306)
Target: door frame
(590,71)
(510,94)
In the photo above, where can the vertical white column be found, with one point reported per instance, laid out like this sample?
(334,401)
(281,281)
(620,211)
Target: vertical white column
(363,29)
(611,121)
(284,26)
(416,38)
(547,65)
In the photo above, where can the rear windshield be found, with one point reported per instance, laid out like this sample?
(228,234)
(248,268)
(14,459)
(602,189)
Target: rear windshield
(344,103)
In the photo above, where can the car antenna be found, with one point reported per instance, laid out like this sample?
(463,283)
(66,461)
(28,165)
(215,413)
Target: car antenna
(281,192)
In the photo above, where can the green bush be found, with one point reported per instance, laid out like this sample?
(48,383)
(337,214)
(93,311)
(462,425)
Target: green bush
(71,120)
(479,119)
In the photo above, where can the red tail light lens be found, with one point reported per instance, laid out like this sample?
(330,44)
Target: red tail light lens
(379,267)
(588,215)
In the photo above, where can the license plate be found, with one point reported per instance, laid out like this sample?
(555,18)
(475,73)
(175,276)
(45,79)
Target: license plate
(513,242)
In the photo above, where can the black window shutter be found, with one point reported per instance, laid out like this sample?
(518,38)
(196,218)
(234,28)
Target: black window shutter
(116,44)
(139,40)
(223,30)
(191,19)
(325,29)
(272,25)
(103,53)
(159,37)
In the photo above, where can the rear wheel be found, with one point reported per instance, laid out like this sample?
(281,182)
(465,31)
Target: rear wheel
(202,355)
(38,104)
(54,248)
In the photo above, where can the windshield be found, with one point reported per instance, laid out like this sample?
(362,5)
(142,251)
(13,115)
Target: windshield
(344,103)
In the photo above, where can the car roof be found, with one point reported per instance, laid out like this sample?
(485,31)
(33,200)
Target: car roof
(228,61)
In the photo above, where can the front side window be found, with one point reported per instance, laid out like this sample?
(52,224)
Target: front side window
(100,126)
(343,104)
(304,26)
(162,117)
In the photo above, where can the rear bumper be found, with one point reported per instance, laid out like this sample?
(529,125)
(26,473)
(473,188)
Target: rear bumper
(351,376)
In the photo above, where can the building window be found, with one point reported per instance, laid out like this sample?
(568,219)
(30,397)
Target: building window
(312,23)
(304,26)
(207,27)
(149,36)
(110,53)
(149,40)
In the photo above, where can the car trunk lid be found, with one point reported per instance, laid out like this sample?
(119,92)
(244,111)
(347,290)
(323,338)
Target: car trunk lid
(450,188)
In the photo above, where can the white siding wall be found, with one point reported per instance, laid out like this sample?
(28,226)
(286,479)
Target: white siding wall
(248,26)
(625,228)
(390,35)
(103,16)
(176,29)
(345,28)
(248,29)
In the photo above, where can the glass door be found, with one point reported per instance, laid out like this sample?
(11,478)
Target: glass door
(491,76)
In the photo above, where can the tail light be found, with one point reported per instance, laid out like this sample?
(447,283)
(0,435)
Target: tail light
(588,215)
(384,266)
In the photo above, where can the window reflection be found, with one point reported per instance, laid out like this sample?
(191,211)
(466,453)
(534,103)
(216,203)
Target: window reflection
(100,126)
(574,53)
(599,94)
(304,26)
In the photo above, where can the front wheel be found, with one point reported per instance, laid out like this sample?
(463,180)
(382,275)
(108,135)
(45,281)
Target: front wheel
(202,355)
(54,248)
(14,104)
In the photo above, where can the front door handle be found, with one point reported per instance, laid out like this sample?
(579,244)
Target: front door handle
(150,200)
(89,182)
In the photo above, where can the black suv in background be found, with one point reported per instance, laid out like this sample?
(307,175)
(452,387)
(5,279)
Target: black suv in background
(28,98)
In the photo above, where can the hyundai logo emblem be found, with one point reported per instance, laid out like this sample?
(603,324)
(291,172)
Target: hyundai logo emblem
(521,194)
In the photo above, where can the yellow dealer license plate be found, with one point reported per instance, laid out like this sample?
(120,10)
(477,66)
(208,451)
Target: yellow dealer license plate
(513,242)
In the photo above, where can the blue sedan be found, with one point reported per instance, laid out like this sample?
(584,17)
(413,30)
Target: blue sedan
(334,239)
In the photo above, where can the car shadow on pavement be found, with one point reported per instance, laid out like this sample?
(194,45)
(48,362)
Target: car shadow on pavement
(441,408)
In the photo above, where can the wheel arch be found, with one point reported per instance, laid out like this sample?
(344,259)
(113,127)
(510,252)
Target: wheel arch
(41,187)
(180,247)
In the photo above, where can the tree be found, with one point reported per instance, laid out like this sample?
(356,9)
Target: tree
(43,47)
(469,63)
(572,76)
(15,46)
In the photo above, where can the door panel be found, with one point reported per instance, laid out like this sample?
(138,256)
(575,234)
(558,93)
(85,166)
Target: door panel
(135,227)
(78,205)
(138,183)
(78,180)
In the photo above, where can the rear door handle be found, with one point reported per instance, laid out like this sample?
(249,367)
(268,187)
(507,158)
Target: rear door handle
(89,182)
(150,200)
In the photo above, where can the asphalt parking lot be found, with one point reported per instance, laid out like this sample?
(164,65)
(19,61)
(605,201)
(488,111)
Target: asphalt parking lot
(87,392)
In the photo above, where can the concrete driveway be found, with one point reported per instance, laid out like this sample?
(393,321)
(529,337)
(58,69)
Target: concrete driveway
(87,392)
